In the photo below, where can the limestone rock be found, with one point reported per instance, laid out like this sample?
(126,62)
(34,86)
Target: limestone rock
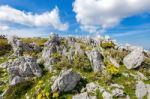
(117,92)
(96,60)
(107,95)
(92,87)
(134,59)
(114,62)
(19,47)
(141,90)
(23,68)
(66,81)
(84,95)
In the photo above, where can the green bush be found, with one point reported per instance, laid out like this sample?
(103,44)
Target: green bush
(82,62)
(4,47)
(106,45)
(56,56)
(19,90)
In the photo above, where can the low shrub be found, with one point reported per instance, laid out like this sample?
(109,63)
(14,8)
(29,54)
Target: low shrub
(106,45)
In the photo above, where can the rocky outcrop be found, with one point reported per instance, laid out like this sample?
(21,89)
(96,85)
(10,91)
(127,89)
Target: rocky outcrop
(23,68)
(16,44)
(134,59)
(117,92)
(96,60)
(141,90)
(84,95)
(19,47)
(50,47)
(107,95)
(92,87)
(66,81)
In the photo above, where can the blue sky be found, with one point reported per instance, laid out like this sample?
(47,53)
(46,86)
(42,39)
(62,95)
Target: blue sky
(126,24)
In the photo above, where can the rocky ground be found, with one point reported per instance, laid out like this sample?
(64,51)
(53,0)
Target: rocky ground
(72,68)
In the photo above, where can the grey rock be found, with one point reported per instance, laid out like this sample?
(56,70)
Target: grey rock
(92,87)
(148,91)
(117,92)
(114,62)
(117,86)
(141,90)
(107,95)
(141,76)
(134,59)
(19,47)
(51,46)
(84,95)
(23,68)
(96,60)
(66,81)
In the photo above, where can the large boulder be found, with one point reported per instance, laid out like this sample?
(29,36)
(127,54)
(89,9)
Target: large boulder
(134,59)
(141,90)
(66,81)
(96,60)
(23,68)
(84,95)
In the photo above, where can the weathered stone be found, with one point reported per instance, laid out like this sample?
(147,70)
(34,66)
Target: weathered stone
(134,59)
(96,60)
(66,81)
(19,47)
(148,91)
(23,68)
(141,90)
(107,95)
(117,92)
(114,62)
(84,95)
(92,87)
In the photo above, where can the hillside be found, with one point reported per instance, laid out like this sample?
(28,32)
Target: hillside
(72,68)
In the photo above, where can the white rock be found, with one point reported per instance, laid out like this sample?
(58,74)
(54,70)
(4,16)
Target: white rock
(141,90)
(66,81)
(117,92)
(107,95)
(92,87)
(134,59)
(84,95)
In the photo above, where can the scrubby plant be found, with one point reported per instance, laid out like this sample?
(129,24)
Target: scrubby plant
(82,62)
(4,47)
(108,44)
(56,55)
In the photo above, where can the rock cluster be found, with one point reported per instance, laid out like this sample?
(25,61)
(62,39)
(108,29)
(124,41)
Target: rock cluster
(23,68)
(19,47)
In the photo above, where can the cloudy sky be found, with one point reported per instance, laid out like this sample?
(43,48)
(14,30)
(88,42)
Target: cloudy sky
(127,21)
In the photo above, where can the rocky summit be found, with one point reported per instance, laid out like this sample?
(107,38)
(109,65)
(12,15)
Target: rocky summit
(73,68)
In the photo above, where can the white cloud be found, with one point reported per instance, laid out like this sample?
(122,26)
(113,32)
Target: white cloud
(51,18)
(94,15)
(4,27)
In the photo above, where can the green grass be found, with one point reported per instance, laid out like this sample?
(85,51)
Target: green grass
(38,41)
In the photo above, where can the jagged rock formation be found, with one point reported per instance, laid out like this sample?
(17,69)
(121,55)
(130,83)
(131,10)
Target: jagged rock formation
(66,81)
(96,60)
(134,59)
(23,68)
(99,69)
(142,90)
(19,47)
